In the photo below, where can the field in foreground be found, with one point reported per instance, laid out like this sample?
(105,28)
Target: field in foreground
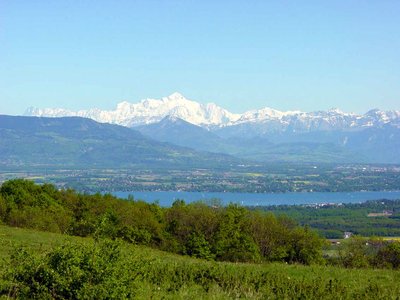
(139,272)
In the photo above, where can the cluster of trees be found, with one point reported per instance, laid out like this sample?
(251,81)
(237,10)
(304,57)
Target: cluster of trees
(229,233)
(331,221)
(359,252)
(234,233)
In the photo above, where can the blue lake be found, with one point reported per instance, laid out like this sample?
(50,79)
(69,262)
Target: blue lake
(250,199)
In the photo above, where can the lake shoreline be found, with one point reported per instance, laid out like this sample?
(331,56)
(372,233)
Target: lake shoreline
(166,198)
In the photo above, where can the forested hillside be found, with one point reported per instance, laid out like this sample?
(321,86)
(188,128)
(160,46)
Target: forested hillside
(229,233)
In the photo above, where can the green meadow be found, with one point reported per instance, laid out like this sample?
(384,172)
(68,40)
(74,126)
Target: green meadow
(128,271)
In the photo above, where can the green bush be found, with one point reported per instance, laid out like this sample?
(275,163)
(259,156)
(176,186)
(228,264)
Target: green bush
(388,256)
(197,246)
(71,272)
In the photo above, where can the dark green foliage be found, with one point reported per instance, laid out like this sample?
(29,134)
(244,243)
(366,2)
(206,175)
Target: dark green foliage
(229,233)
(71,272)
(22,193)
(306,245)
(104,269)
(234,239)
(358,252)
(331,221)
(87,269)
(197,246)
(354,253)
(3,209)
(135,235)
(26,204)
(388,256)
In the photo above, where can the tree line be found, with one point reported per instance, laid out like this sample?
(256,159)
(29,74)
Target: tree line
(332,220)
(230,233)
(214,232)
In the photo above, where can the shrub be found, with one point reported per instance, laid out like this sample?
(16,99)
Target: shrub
(388,256)
(71,272)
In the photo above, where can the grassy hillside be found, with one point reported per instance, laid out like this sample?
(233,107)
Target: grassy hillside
(144,273)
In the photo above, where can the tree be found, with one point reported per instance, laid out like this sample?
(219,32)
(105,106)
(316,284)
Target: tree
(197,246)
(353,253)
(389,256)
(307,246)
(234,241)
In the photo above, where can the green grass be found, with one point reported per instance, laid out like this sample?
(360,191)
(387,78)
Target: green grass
(160,275)
(11,237)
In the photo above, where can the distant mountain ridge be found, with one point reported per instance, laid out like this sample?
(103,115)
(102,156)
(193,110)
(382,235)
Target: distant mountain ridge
(326,146)
(149,111)
(213,117)
(259,135)
(74,141)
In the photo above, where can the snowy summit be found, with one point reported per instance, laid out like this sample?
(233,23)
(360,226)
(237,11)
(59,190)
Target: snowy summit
(210,115)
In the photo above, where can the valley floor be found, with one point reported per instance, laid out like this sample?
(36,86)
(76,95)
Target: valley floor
(253,178)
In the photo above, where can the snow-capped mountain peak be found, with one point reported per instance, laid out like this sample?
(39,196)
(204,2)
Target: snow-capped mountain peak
(150,111)
(175,97)
(265,114)
(337,111)
(210,116)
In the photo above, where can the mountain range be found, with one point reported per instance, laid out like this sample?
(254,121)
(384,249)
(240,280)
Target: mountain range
(262,135)
(211,116)
(80,142)
(148,111)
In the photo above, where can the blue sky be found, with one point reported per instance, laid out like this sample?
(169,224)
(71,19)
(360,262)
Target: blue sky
(307,55)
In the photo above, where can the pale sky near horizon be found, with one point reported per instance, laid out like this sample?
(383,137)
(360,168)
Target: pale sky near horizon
(241,55)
